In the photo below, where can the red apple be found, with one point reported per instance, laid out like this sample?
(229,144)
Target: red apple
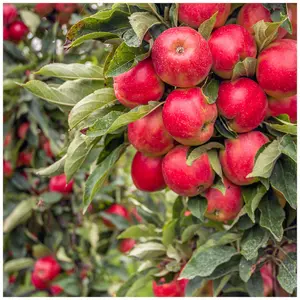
(45,270)
(44,9)
(174,288)
(188,117)
(67,8)
(187,213)
(17,31)
(181,57)
(6,36)
(223,208)
(126,245)
(59,184)
(22,130)
(266,272)
(146,173)
(149,135)
(12,279)
(183,179)
(243,102)
(56,289)
(116,209)
(139,85)
(251,13)
(63,18)
(10,14)
(282,106)
(276,69)
(7,168)
(24,159)
(292,13)
(194,14)
(47,149)
(7,139)
(229,45)
(238,157)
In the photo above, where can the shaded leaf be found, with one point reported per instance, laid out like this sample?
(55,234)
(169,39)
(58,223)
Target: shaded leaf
(211,90)
(56,168)
(197,206)
(255,285)
(244,68)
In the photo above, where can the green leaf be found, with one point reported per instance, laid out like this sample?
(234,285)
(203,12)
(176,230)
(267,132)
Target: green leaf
(289,129)
(255,285)
(272,217)
(287,273)
(126,58)
(138,231)
(198,151)
(102,36)
(177,207)
(148,250)
(70,284)
(51,198)
(40,250)
(173,14)
(31,20)
(197,206)
(215,162)
(284,179)
(118,221)
(246,268)
(18,264)
(203,263)
(244,68)
(219,284)
(168,235)
(56,168)
(95,101)
(266,160)
(98,176)
(254,239)
(252,196)
(72,71)
(206,28)
(133,115)
(223,128)
(193,286)
(265,33)
(190,232)
(211,90)
(141,22)
(288,147)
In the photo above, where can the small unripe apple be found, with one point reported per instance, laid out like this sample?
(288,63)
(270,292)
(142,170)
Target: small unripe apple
(45,270)
(183,179)
(146,173)
(6,36)
(238,157)
(276,70)
(7,168)
(292,13)
(56,289)
(230,44)
(115,209)
(23,129)
(44,9)
(188,117)
(59,184)
(181,57)
(282,106)
(139,85)
(67,8)
(223,208)
(243,102)
(126,245)
(24,158)
(251,13)
(17,31)
(194,14)
(10,14)
(149,135)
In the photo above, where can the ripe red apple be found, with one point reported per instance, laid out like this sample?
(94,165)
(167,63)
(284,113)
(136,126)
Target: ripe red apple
(243,102)
(23,129)
(174,288)
(181,57)
(149,135)
(44,9)
(126,245)
(146,173)
(12,279)
(276,69)
(6,36)
(17,31)
(116,209)
(67,8)
(56,289)
(63,18)
(24,158)
(228,45)
(139,85)
(223,208)
(45,270)
(183,179)
(238,157)
(292,13)
(251,13)
(266,272)
(188,117)
(282,106)
(59,184)
(47,149)
(194,14)
(7,168)
(10,14)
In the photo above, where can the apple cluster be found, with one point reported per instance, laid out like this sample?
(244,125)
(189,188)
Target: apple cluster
(13,28)
(61,11)
(181,60)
